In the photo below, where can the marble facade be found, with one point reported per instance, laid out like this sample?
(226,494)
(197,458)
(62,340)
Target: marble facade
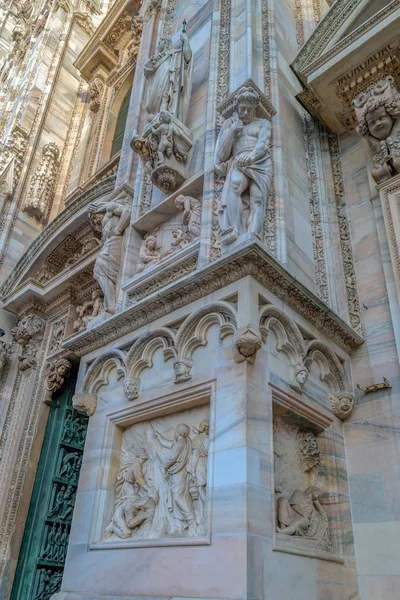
(229,281)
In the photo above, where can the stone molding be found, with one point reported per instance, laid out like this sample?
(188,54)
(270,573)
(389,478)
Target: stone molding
(251,259)
(39,244)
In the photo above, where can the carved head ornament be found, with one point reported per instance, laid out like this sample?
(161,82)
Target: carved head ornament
(377,109)
(342,405)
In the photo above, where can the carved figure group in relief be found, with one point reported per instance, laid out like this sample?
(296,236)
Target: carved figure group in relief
(161,484)
(88,310)
(308,450)
(303,515)
(154,249)
(115,219)
(165,142)
(378,113)
(242,157)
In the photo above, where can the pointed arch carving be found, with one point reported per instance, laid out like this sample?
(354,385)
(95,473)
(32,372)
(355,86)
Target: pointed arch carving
(290,340)
(192,333)
(331,370)
(140,356)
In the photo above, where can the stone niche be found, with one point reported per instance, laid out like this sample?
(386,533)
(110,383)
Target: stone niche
(305,515)
(160,481)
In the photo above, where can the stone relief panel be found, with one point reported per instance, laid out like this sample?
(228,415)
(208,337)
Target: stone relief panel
(378,114)
(88,310)
(173,235)
(301,519)
(165,142)
(161,486)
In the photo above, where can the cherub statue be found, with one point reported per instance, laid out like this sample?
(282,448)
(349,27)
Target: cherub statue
(149,254)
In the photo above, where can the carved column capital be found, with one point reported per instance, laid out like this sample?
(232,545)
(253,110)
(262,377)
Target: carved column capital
(28,334)
(55,375)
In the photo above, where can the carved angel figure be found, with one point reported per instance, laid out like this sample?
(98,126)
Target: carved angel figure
(242,157)
(378,112)
(342,405)
(303,516)
(191,208)
(149,254)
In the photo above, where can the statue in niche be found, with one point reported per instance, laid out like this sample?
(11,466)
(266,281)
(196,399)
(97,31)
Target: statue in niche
(169,78)
(161,484)
(165,142)
(198,465)
(108,261)
(378,113)
(149,254)
(242,157)
(303,516)
(191,208)
(88,310)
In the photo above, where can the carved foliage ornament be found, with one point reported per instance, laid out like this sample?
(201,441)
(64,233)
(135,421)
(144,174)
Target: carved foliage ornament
(41,190)
(378,113)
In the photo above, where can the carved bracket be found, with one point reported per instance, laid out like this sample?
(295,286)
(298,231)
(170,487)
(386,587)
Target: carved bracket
(28,334)
(55,375)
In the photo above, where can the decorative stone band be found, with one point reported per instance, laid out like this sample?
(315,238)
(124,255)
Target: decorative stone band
(250,259)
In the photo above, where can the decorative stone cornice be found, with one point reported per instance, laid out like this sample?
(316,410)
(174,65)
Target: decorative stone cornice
(39,244)
(249,260)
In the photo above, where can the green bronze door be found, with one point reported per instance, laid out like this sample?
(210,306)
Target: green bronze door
(44,545)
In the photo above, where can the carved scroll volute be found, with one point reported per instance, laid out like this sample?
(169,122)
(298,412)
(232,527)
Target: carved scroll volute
(28,334)
(40,194)
(56,372)
(378,114)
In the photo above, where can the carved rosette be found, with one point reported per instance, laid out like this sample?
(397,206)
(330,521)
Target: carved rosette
(28,334)
(55,375)
(41,190)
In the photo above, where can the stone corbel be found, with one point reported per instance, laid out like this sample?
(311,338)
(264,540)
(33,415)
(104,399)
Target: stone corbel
(183,368)
(245,344)
(86,403)
(54,378)
(299,377)
(28,334)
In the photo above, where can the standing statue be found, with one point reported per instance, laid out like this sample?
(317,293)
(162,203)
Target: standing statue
(169,77)
(242,157)
(165,142)
(106,269)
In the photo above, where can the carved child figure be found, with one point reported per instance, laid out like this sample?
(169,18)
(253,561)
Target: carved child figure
(149,254)
(378,112)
